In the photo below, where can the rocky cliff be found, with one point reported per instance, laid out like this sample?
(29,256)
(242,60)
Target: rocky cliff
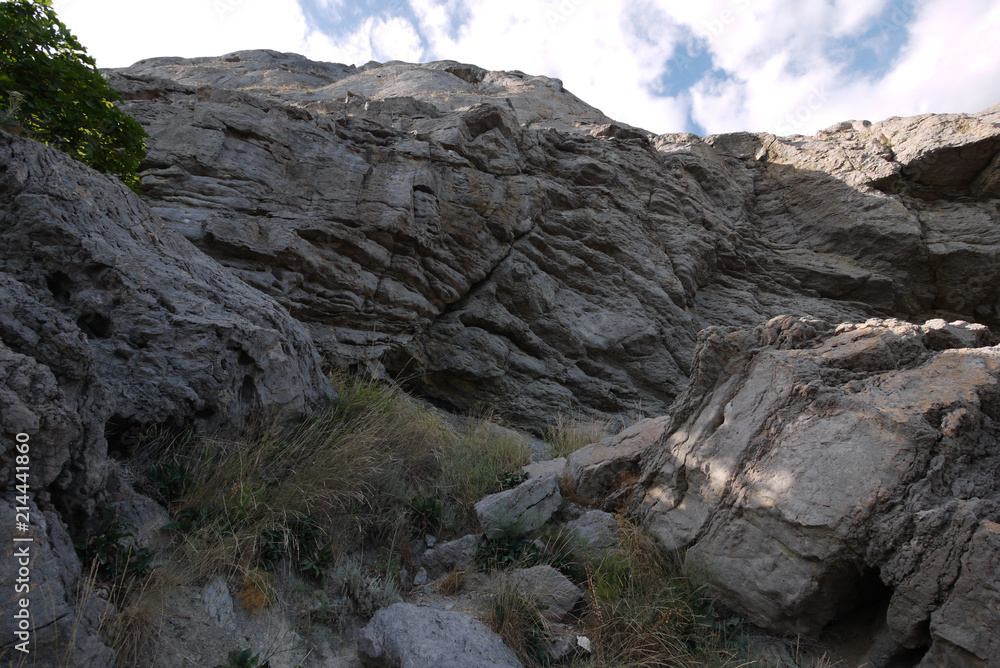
(490,239)
(493,240)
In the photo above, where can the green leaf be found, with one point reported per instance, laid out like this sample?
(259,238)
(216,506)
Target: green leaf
(51,91)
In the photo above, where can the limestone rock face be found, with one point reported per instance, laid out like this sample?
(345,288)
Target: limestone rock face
(111,320)
(494,240)
(171,333)
(811,469)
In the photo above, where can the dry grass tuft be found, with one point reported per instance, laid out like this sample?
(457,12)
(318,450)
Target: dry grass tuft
(452,583)
(518,620)
(369,472)
(570,433)
(645,612)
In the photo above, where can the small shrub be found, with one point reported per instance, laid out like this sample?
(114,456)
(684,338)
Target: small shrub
(171,479)
(110,548)
(244,659)
(426,514)
(361,593)
(316,561)
(505,551)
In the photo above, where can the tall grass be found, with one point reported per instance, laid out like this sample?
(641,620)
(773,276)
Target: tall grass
(352,472)
(641,610)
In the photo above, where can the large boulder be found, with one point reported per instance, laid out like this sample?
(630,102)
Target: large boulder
(406,636)
(811,471)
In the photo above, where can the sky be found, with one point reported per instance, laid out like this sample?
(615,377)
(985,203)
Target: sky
(702,66)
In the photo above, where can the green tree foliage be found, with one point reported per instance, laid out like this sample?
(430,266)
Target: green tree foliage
(53,93)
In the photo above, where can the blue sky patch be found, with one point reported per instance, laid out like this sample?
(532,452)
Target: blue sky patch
(873,52)
(690,63)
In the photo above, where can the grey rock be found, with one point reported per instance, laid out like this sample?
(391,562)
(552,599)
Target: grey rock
(520,510)
(453,555)
(596,533)
(64,630)
(172,333)
(597,469)
(941,334)
(799,466)
(964,628)
(406,636)
(218,603)
(556,467)
(420,578)
(556,594)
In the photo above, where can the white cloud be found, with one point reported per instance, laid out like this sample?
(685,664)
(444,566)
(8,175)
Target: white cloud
(119,32)
(590,44)
(376,38)
(782,74)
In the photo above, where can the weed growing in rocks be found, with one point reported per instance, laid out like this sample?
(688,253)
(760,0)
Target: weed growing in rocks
(366,474)
(112,550)
(644,611)
(518,620)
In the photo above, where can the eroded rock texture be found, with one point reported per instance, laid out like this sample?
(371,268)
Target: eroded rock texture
(111,320)
(493,240)
(810,470)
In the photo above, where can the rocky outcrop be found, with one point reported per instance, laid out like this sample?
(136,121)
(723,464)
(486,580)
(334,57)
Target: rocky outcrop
(811,470)
(112,321)
(493,240)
